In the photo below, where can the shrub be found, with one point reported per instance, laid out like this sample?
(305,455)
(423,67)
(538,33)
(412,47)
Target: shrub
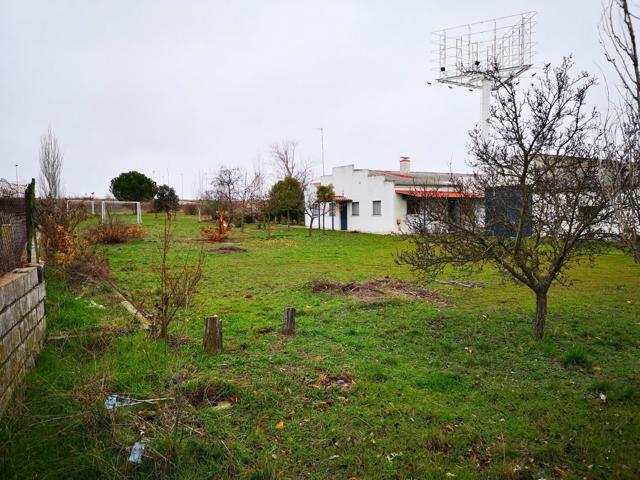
(58,226)
(190,208)
(62,247)
(115,231)
(221,230)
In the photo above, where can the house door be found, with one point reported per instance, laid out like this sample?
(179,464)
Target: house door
(343,216)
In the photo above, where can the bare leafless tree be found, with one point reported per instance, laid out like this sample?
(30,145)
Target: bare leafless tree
(261,204)
(51,158)
(226,188)
(618,38)
(289,165)
(178,279)
(539,172)
(311,205)
(249,188)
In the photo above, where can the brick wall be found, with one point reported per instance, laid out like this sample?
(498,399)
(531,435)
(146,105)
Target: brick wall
(22,326)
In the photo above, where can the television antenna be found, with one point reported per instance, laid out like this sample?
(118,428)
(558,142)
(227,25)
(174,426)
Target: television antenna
(466,53)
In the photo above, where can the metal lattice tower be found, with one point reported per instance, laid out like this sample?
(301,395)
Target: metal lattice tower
(465,53)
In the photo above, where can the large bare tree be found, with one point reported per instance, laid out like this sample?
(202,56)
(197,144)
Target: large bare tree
(289,165)
(539,172)
(51,158)
(249,190)
(618,30)
(226,185)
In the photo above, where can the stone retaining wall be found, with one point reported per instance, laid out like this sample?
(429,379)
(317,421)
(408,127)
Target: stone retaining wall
(22,326)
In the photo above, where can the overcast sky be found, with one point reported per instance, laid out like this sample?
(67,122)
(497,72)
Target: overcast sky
(176,88)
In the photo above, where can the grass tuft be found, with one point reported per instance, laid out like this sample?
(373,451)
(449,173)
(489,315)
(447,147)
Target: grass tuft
(440,381)
(615,391)
(577,357)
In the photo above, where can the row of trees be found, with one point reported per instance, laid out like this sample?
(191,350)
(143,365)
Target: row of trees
(136,187)
(248,196)
(243,195)
(128,186)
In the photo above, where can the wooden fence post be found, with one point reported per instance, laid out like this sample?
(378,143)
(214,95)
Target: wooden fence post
(212,335)
(289,321)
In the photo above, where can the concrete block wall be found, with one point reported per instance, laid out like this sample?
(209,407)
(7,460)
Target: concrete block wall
(22,326)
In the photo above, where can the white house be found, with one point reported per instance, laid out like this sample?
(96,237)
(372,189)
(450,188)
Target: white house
(379,201)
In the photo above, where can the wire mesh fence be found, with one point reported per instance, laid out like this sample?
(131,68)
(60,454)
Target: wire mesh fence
(13,239)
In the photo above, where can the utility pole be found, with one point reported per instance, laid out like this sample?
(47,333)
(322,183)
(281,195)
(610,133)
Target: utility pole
(16,176)
(322,147)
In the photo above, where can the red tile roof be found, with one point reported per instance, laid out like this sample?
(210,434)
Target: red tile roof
(436,193)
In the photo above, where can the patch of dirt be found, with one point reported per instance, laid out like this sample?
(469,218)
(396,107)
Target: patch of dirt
(343,381)
(263,330)
(373,290)
(210,395)
(228,249)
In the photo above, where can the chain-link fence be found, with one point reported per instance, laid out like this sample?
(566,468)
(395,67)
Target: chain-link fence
(13,234)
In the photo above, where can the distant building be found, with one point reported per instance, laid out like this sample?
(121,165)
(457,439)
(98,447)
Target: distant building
(380,201)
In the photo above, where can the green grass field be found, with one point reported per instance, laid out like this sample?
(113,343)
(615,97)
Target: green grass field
(394,388)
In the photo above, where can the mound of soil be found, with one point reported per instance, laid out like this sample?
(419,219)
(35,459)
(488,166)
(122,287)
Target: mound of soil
(377,290)
(228,249)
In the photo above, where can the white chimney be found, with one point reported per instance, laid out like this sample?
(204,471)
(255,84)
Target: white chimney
(405,165)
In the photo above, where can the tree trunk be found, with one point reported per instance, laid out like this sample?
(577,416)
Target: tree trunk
(289,321)
(163,329)
(324,214)
(310,224)
(288,219)
(541,312)
(212,342)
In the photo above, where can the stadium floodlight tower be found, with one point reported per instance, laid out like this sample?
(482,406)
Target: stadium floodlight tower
(466,54)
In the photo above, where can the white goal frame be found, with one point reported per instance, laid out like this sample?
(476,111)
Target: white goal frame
(105,203)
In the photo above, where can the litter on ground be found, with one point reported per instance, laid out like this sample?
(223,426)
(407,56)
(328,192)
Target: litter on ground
(136,452)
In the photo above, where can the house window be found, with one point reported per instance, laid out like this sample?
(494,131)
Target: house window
(315,210)
(414,206)
(332,209)
(377,207)
(355,209)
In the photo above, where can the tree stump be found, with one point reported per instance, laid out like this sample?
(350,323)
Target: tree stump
(289,321)
(212,335)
